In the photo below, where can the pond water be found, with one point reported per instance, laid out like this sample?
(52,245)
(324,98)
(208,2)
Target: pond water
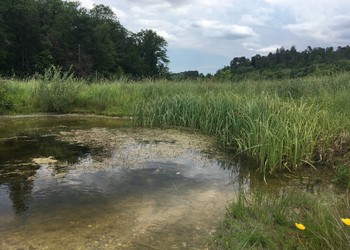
(88,182)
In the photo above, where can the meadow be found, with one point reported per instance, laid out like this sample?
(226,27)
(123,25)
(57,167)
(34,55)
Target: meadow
(283,125)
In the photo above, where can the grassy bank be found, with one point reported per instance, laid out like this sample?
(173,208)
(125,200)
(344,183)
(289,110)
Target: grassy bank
(258,220)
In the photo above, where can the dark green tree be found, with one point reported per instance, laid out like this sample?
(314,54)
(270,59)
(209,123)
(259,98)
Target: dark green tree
(152,49)
(289,63)
(22,38)
(35,34)
(4,41)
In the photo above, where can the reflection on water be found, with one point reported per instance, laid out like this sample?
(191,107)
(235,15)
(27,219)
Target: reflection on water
(154,189)
(18,150)
(23,139)
(17,168)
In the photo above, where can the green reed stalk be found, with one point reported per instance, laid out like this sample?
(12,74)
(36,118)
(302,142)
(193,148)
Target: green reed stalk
(278,134)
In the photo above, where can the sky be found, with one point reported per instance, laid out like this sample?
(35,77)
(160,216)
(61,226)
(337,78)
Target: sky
(205,35)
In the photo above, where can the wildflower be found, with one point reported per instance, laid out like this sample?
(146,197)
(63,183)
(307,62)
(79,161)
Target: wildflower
(301,226)
(346,221)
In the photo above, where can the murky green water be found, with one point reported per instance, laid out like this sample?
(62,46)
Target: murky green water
(74,182)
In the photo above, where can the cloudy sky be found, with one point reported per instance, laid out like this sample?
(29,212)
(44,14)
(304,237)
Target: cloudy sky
(205,35)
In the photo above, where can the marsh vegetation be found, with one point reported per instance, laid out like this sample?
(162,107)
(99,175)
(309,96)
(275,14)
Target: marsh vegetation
(283,125)
(287,127)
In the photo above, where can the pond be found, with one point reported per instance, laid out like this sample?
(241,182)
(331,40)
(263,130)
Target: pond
(89,182)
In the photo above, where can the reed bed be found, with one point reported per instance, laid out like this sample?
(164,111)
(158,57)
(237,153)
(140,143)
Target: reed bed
(278,134)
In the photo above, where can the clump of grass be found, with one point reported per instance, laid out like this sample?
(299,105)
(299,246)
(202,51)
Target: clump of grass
(260,220)
(342,175)
(57,91)
(100,98)
(16,96)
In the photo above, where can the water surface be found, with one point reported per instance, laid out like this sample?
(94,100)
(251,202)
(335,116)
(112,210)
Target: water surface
(74,182)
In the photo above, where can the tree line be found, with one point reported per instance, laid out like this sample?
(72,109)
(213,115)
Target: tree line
(288,63)
(35,34)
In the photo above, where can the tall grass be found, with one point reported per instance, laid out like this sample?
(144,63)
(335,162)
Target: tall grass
(278,134)
(56,91)
(282,125)
(16,97)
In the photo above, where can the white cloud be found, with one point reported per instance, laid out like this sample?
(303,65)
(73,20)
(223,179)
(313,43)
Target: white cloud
(316,19)
(165,34)
(231,28)
(173,3)
(270,48)
(89,4)
(327,30)
(251,45)
(215,4)
(119,12)
(308,29)
(259,17)
(217,29)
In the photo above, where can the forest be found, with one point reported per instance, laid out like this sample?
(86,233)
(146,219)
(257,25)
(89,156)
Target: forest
(288,63)
(35,34)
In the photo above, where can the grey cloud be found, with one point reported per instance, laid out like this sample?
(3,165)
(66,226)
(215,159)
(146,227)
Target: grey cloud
(340,27)
(344,35)
(230,35)
(332,31)
(340,22)
(220,30)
